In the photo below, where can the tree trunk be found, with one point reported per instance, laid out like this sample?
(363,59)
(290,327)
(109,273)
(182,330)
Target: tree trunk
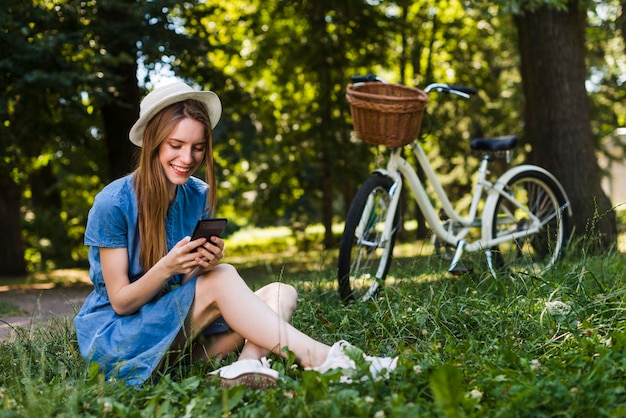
(118,116)
(12,255)
(557,115)
(120,109)
(318,29)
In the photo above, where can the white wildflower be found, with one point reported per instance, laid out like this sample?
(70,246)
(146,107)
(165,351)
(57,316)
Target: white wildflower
(556,307)
(107,407)
(476,394)
(535,365)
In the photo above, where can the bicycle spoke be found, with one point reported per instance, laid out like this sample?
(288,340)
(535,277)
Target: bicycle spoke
(365,253)
(536,214)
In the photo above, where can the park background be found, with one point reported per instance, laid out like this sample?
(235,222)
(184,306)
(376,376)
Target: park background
(73,74)
(550,71)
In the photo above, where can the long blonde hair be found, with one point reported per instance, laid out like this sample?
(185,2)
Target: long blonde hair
(150,182)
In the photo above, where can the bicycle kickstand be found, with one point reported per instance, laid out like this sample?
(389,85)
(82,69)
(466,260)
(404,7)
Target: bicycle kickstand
(489,256)
(455,268)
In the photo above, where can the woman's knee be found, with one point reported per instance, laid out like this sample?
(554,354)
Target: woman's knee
(224,269)
(219,279)
(289,291)
(221,272)
(282,295)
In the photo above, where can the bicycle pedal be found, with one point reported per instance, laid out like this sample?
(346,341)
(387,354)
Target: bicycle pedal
(460,270)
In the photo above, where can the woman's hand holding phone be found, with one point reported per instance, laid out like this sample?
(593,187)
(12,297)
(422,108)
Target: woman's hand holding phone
(209,228)
(212,251)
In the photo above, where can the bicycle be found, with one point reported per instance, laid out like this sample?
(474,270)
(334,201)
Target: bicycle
(523,223)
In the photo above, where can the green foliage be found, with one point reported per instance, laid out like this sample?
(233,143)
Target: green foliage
(45,129)
(607,65)
(447,387)
(518,7)
(285,105)
(284,150)
(469,346)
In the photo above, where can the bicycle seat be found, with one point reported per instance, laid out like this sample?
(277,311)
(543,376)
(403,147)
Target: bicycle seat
(501,143)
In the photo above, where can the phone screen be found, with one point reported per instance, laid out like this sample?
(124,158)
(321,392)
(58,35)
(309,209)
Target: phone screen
(208,228)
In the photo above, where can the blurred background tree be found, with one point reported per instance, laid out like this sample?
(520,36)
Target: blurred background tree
(72,74)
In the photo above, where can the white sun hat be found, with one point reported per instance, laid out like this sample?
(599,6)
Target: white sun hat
(163,96)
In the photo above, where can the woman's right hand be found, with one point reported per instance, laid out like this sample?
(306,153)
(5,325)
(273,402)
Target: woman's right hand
(185,257)
(126,297)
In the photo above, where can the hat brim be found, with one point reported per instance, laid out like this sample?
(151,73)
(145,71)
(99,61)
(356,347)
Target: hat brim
(169,95)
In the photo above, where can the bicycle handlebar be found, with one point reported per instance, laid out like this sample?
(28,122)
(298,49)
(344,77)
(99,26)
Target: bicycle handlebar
(457,90)
(366,78)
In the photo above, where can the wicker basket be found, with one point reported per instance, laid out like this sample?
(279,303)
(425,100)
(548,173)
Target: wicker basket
(386,114)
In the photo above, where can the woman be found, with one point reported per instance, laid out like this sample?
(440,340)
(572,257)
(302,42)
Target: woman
(156,292)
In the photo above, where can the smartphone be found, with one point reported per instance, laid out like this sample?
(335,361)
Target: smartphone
(208,228)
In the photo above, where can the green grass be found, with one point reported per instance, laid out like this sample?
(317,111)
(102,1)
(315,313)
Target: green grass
(9,309)
(471,346)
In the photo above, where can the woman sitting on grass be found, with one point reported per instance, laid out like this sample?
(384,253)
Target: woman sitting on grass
(157,294)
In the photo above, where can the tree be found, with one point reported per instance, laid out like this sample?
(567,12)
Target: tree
(123,33)
(115,31)
(557,111)
(12,261)
(40,112)
(283,148)
(292,61)
(284,138)
(68,76)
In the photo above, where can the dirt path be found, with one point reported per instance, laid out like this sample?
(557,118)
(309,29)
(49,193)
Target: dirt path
(40,304)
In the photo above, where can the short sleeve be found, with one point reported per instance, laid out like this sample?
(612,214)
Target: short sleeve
(108,221)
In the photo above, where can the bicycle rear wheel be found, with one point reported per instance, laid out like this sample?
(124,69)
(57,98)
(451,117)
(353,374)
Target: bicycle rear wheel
(535,253)
(364,254)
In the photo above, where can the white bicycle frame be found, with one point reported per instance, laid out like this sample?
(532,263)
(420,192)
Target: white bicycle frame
(398,168)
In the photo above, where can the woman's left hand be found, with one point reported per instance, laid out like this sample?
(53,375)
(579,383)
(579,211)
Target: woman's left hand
(210,254)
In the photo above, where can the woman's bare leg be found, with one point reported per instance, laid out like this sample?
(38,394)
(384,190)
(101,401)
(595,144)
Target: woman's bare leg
(223,291)
(280,297)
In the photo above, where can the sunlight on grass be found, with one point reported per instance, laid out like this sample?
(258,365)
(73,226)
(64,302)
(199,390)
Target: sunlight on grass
(317,285)
(248,235)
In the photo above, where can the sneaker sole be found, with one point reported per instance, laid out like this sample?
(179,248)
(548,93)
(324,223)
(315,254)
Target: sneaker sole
(251,380)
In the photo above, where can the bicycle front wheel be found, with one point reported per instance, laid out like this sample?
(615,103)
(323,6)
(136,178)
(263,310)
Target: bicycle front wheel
(539,195)
(365,254)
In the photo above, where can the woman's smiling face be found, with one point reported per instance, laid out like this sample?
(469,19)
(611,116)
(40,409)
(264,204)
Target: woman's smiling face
(182,152)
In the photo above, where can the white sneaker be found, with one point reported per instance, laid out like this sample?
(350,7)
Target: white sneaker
(255,374)
(338,359)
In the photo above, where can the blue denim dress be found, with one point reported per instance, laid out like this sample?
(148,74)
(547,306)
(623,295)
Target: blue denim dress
(130,347)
